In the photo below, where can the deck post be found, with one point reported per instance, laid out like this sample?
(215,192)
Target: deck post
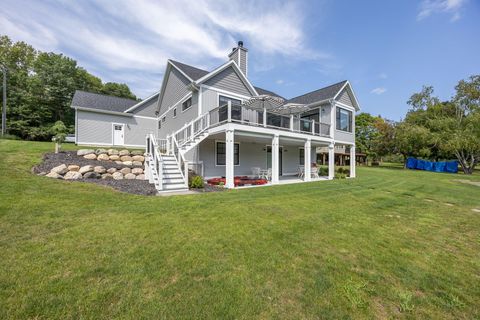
(229,111)
(331,161)
(291,122)
(229,159)
(307,160)
(352,162)
(264,117)
(275,159)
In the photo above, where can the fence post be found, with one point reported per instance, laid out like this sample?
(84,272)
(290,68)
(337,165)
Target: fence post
(313,126)
(229,111)
(186,173)
(264,117)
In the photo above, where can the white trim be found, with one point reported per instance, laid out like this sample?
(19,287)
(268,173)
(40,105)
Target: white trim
(145,117)
(345,106)
(352,113)
(223,165)
(200,100)
(113,133)
(246,64)
(223,67)
(226,96)
(353,93)
(344,142)
(141,102)
(76,126)
(103,111)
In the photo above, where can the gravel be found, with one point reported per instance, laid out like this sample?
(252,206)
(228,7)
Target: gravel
(51,160)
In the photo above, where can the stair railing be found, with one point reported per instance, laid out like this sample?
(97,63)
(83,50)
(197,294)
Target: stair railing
(192,129)
(179,158)
(155,160)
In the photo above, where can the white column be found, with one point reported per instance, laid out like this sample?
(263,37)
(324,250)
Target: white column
(229,161)
(264,117)
(308,160)
(229,111)
(353,162)
(275,159)
(331,161)
(291,122)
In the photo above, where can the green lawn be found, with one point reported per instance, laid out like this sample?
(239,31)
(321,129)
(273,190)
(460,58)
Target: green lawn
(390,244)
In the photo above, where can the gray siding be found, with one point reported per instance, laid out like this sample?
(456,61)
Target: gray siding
(229,80)
(175,89)
(344,136)
(243,62)
(148,108)
(172,124)
(209,100)
(251,155)
(96,128)
(344,98)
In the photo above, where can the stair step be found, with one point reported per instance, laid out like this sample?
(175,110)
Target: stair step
(173,181)
(174,186)
(173,175)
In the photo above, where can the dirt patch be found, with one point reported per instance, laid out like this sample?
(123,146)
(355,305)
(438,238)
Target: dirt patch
(473,183)
(51,160)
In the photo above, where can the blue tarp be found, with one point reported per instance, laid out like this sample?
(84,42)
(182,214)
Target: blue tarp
(441,166)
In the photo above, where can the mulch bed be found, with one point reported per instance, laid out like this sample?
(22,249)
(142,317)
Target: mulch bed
(51,160)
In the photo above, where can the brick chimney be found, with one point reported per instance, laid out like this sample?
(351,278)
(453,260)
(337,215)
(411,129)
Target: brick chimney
(239,56)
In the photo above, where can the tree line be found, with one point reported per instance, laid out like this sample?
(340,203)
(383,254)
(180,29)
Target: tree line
(432,129)
(40,87)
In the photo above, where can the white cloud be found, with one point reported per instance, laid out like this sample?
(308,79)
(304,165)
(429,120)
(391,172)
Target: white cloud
(137,36)
(429,7)
(279,81)
(383,75)
(378,91)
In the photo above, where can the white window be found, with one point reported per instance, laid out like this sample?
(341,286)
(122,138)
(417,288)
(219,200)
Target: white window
(187,104)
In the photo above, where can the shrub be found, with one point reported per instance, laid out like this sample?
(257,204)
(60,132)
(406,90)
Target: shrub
(323,171)
(196,182)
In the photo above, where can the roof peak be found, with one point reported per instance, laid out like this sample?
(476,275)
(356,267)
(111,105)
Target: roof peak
(323,88)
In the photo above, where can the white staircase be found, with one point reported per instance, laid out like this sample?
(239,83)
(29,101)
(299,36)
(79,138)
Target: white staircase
(165,165)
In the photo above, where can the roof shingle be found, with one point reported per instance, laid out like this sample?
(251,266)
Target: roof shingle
(318,95)
(98,101)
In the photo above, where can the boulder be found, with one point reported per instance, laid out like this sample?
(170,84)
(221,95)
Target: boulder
(54,175)
(107,176)
(125,170)
(112,152)
(127,163)
(61,169)
(124,152)
(130,176)
(112,170)
(138,158)
(91,156)
(126,158)
(137,170)
(137,163)
(118,162)
(73,167)
(85,169)
(83,152)
(140,177)
(43,173)
(103,157)
(72,175)
(114,157)
(91,175)
(100,151)
(99,169)
(136,153)
(117,176)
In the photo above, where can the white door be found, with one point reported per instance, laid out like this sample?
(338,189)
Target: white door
(118,134)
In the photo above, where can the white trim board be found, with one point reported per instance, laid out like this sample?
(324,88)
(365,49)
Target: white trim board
(141,102)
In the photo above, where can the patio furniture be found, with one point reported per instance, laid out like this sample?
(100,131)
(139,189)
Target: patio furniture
(256,172)
(301,171)
(314,173)
(266,173)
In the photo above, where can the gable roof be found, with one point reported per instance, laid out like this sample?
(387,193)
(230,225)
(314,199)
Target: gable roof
(196,73)
(192,72)
(325,93)
(90,100)
(141,103)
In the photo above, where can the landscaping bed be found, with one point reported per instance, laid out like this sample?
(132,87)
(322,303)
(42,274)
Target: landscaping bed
(68,166)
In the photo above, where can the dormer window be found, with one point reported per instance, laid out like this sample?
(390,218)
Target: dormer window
(187,104)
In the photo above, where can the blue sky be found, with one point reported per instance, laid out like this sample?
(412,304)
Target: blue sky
(387,49)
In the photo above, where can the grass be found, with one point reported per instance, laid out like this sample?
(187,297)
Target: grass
(385,245)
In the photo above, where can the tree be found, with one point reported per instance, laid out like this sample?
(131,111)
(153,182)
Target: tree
(118,90)
(59,130)
(366,134)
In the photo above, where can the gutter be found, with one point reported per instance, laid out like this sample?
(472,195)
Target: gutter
(103,111)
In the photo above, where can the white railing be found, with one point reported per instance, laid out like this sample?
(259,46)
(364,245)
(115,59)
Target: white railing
(162,146)
(249,116)
(181,162)
(155,158)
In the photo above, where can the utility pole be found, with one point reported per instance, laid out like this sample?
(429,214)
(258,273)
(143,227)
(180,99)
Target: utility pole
(4,109)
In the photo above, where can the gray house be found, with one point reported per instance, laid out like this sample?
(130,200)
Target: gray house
(205,121)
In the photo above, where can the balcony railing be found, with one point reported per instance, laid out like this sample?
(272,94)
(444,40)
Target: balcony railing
(262,118)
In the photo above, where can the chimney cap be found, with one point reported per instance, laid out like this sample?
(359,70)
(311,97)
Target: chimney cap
(240,44)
